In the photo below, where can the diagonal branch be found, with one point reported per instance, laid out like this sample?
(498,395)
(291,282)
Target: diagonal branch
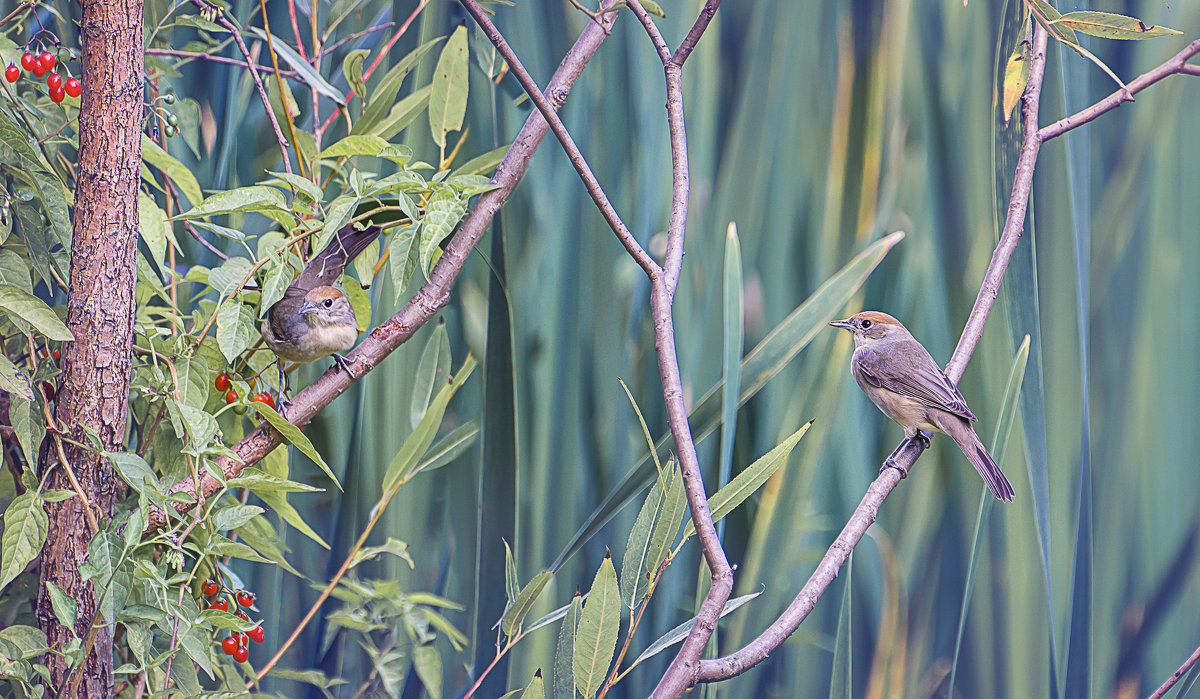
(432,296)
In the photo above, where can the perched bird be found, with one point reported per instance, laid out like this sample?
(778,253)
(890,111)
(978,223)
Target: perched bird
(900,377)
(314,320)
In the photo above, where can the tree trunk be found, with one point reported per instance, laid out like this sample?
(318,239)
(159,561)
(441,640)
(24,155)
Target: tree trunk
(94,386)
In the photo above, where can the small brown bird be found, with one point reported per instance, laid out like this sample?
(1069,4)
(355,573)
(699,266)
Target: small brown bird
(900,377)
(314,320)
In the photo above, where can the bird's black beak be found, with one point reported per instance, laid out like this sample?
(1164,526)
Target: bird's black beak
(844,324)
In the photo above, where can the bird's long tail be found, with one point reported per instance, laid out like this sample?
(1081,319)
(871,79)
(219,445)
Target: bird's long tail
(964,435)
(326,266)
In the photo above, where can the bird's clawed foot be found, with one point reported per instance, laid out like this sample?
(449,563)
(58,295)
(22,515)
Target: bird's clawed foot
(891,462)
(345,364)
(923,436)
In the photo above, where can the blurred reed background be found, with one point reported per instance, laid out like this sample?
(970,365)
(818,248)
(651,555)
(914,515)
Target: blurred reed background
(817,128)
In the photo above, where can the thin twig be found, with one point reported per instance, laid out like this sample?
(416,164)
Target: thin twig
(1175,676)
(1176,64)
(560,130)
(215,59)
(253,66)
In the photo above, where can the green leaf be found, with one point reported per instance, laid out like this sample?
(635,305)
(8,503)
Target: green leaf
(358,297)
(407,459)
(1112,26)
(259,533)
(448,104)
(750,479)
(383,97)
(481,164)
(257,197)
(183,178)
(428,665)
(304,71)
(449,447)
(13,380)
(28,423)
(1016,76)
(236,330)
(133,469)
(153,229)
(352,68)
(234,516)
(292,435)
(403,251)
(226,278)
(677,634)
(524,601)
(432,370)
(19,305)
(25,527)
(564,651)
(1048,17)
(653,533)
(303,186)
(355,145)
(31,641)
(66,610)
(512,587)
(404,112)
(536,688)
(392,546)
(596,636)
(443,211)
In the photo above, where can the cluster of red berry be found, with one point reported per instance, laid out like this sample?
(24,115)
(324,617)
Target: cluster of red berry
(41,65)
(236,644)
(224,384)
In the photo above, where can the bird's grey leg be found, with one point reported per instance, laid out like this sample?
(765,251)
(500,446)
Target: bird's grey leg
(922,436)
(344,363)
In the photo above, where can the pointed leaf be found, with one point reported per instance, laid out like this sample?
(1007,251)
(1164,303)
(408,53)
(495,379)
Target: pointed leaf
(292,435)
(448,104)
(653,533)
(524,601)
(564,652)
(677,634)
(13,380)
(25,527)
(596,636)
(1112,26)
(408,458)
(19,305)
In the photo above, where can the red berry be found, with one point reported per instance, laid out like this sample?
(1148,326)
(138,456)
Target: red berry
(257,634)
(263,398)
(229,645)
(38,69)
(245,599)
(48,390)
(54,80)
(47,59)
(74,87)
(57,94)
(11,73)
(222,382)
(28,60)
(242,638)
(241,655)
(221,604)
(231,396)
(56,354)
(210,587)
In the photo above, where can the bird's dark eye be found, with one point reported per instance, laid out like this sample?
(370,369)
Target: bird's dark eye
(328,303)
(866,324)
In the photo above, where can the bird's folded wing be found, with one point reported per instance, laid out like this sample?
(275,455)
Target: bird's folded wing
(925,382)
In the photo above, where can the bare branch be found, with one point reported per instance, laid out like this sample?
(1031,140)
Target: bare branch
(1175,676)
(432,296)
(1176,64)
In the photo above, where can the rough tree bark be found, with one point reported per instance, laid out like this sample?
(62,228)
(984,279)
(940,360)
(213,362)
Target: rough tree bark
(94,386)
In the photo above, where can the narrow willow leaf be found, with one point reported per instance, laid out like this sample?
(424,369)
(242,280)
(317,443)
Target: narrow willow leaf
(449,447)
(304,70)
(596,636)
(653,533)
(645,428)
(448,104)
(19,305)
(1112,26)
(1048,17)
(1008,415)
(536,688)
(408,458)
(25,527)
(1016,76)
(482,164)
(750,479)
(404,112)
(564,651)
(524,601)
(352,69)
(512,586)
(1094,59)
(384,94)
(732,346)
(292,435)
(677,634)
(432,370)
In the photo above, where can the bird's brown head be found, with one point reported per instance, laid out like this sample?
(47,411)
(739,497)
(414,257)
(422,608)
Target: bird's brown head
(325,306)
(872,326)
